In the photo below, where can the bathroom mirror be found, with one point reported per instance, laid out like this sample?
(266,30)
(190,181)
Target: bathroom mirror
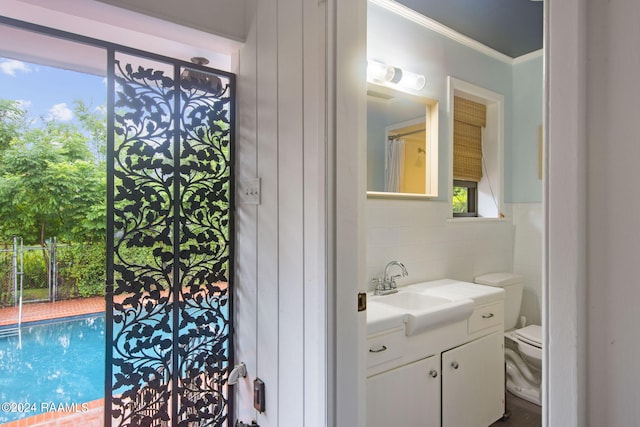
(402,147)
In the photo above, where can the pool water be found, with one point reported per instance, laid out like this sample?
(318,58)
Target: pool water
(58,363)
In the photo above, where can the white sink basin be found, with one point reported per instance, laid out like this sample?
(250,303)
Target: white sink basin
(421,312)
(411,300)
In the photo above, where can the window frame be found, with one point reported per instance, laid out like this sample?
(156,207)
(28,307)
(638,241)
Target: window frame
(472,198)
(490,192)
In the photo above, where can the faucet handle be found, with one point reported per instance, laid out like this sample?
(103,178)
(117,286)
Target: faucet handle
(392,281)
(380,286)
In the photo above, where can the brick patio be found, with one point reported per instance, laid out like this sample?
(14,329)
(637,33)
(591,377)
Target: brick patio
(52,310)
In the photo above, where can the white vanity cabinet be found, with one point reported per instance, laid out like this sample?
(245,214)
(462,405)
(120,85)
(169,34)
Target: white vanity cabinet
(449,375)
(405,396)
(473,383)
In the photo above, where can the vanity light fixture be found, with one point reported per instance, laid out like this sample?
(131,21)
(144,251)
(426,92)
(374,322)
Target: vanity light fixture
(381,73)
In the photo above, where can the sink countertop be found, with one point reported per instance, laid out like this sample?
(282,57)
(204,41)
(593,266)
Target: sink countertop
(382,317)
(456,289)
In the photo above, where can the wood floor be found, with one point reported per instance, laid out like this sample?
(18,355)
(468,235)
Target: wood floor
(523,414)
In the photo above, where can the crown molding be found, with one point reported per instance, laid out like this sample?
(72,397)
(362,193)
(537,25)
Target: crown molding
(441,29)
(528,57)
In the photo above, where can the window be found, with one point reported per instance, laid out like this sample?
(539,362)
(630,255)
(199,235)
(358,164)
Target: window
(465,198)
(469,118)
(476,151)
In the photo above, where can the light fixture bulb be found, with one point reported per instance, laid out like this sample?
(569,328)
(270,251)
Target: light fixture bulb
(379,72)
(412,80)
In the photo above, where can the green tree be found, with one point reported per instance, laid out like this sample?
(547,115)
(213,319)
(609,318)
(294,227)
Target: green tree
(51,185)
(460,195)
(48,186)
(12,122)
(95,123)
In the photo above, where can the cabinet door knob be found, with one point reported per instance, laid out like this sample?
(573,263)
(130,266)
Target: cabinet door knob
(378,350)
(455,365)
(433,373)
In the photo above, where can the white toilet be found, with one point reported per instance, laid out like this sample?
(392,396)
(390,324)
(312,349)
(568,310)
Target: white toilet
(523,346)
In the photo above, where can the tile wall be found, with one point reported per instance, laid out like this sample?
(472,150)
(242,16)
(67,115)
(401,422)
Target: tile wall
(420,235)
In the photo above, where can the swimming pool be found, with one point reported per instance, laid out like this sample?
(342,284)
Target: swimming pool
(60,363)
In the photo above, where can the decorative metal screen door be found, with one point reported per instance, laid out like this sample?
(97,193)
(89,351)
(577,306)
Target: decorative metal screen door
(169,242)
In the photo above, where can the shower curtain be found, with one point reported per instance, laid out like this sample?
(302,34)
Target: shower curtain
(394,165)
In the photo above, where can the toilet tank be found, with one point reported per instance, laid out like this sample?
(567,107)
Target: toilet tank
(512,284)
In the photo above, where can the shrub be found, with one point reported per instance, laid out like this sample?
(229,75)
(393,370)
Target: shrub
(81,269)
(35,270)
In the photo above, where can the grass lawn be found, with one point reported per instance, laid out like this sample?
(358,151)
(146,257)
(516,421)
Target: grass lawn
(35,294)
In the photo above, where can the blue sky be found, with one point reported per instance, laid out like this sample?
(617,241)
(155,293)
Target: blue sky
(49,92)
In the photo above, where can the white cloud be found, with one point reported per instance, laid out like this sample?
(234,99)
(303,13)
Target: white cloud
(11,66)
(61,113)
(23,103)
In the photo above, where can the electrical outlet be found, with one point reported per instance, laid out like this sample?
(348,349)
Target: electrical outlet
(250,191)
(259,397)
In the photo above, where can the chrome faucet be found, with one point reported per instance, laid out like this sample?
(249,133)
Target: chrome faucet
(388,283)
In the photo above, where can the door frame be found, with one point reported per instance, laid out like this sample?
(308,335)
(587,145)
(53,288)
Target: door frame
(109,49)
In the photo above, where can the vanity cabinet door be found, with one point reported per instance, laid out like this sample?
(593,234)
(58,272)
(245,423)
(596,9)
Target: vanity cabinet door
(473,383)
(405,396)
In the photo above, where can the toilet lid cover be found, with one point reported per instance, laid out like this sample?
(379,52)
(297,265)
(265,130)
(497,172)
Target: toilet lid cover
(531,334)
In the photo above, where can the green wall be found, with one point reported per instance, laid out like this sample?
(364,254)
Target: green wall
(398,41)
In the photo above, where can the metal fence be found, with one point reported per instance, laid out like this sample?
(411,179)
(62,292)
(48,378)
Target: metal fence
(10,268)
(33,271)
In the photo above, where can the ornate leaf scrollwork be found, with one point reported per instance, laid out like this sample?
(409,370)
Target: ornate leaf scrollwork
(171,220)
(204,258)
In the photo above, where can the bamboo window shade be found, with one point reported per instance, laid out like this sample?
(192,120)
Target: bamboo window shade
(469,118)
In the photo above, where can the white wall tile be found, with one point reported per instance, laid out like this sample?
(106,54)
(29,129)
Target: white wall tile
(419,234)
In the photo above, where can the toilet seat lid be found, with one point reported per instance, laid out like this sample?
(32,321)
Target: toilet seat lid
(531,334)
